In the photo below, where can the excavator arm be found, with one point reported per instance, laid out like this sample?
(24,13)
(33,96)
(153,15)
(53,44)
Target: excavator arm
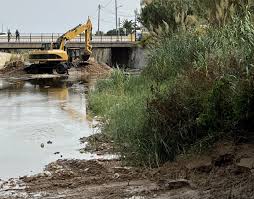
(85,28)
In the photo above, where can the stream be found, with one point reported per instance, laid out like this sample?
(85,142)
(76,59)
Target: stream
(41,120)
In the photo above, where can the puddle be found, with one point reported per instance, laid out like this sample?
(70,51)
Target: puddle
(41,120)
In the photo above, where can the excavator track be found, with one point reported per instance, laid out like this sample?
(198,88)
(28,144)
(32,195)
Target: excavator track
(39,69)
(62,68)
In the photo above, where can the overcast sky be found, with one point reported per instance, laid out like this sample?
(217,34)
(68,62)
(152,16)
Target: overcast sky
(58,16)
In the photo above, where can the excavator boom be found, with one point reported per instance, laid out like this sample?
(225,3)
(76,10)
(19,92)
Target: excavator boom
(73,33)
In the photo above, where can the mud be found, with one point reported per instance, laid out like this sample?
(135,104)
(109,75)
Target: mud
(98,143)
(220,174)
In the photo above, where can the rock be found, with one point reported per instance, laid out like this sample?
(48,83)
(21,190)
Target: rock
(41,175)
(173,184)
(246,163)
(202,165)
(99,153)
(56,153)
(87,169)
(57,167)
(83,150)
(224,160)
(116,175)
(49,142)
(47,173)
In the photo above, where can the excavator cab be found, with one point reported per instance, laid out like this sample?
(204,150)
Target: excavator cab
(45,46)
(50,46)
(78,56)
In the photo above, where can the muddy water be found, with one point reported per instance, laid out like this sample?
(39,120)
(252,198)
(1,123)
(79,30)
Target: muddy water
(34,112)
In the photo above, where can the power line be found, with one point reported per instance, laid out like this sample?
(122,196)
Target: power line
(119,13)
(108,11)
(107,4)
(109,22)
(126,16)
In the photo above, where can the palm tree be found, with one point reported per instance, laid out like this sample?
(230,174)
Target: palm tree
(128,25)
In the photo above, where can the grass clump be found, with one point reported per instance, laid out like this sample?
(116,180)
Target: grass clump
(195,90)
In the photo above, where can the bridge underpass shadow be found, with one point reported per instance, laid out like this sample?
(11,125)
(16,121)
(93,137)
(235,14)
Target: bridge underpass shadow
(120,57)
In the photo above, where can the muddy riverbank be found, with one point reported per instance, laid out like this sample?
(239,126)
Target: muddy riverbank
(226,172)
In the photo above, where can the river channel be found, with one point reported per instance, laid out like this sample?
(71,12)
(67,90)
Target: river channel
(41,120)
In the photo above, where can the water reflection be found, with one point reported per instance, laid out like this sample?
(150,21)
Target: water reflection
(36,111)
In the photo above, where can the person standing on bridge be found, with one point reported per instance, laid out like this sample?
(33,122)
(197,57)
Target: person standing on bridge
(17,35)
(9,35)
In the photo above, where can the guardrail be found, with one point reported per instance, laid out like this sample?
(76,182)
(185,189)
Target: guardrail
(52,37)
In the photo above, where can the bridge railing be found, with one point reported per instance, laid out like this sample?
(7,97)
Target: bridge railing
(52,37)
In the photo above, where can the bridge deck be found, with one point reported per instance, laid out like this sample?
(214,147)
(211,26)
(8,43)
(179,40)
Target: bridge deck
(35,41)
(70,45)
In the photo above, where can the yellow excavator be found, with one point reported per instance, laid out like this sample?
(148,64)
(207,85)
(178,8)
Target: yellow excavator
(55,57)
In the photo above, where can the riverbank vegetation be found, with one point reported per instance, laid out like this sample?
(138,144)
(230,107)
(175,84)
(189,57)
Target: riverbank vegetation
(197,88)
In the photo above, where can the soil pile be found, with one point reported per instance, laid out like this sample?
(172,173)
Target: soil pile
(11,64)
(4,57)
(93,67)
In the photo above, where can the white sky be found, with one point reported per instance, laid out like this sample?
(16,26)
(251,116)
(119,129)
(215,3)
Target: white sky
(58,16)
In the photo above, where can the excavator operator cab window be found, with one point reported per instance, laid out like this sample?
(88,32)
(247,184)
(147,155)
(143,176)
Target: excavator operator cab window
(46,46)
(49,46)
(74,54)
(55,46)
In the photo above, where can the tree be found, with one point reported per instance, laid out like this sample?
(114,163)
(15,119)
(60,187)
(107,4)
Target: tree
(128,25)
(114,33)
(175,13)
(184,13)
(100,33)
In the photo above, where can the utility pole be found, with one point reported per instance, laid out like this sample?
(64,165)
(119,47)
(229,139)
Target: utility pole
(99,19)
(116,19)
(135,24)
(119,26)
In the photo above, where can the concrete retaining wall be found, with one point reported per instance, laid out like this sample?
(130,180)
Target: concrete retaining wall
(122,57)
(102,55)
(138,58)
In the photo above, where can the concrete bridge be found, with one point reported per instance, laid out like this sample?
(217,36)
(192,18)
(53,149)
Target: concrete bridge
(35,41)
(113,50)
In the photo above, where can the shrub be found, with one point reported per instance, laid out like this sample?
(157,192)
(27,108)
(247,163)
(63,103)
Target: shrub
(195,90)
